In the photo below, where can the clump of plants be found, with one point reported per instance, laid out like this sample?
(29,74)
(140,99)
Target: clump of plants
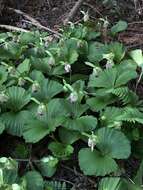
(74,89)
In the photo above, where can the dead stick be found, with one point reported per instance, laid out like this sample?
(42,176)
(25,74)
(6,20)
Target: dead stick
(73,11)
(13,28)
(35,22)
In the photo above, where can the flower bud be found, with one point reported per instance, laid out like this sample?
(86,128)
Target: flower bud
(35,87)
(67,68)
(41,110)
(92,141)
(73,97)
(3,98)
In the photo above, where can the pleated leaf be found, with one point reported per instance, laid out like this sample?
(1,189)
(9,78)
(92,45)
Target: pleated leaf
(113,142)
(18,98)
(14,122)
(94,163)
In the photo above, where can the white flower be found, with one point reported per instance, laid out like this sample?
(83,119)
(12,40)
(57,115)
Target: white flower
(109,64)
(35,87)
(92,141)
(15,187)
(67,68)
(41,110)
(73,97)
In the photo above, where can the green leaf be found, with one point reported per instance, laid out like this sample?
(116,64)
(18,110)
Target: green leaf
(18,98)
(111,183)
(113,142)
(35,130)
(14,122)
(81,124)
(28,37)
(100,102)
(2,127)
(96,51)
(119,27)
(48,89)
(94,163)
(3,74)
(24,66)
(60,150)
(137,56)
(118,51)
(106,79)
(8,170)
(34,181)
(113,77)
(48,166)
(68,136)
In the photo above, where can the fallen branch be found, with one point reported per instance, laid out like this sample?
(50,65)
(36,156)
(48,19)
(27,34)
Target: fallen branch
(13,28)
(93,8)
(35,22)
(73,11)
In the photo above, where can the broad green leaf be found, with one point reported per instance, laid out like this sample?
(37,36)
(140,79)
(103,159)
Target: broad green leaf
(94,163)
(119,27)
(48,166)
(96,51)
(114,143)
(27,38)
(18,98)
(35,130)
(8,170)
(81,124)
(2,127)
(68,136)
(14,122)
(111,183)
(48,89)
(137,56)
(74,110)
(100,102)
(106,79)
(60,150)
(24,66)
(34,181)
(118,51)
(3,74)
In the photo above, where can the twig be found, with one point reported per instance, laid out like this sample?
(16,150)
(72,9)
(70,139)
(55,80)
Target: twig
(13,28)
(35,22)
(25,160)
(73,11)
(93,8)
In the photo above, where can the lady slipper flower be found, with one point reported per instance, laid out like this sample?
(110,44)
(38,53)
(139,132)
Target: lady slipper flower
(92,141)
(67,68)
(35,87)
(41,110)
(73,97)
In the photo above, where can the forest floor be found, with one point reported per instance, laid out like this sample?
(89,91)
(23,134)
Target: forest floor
(52,14)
